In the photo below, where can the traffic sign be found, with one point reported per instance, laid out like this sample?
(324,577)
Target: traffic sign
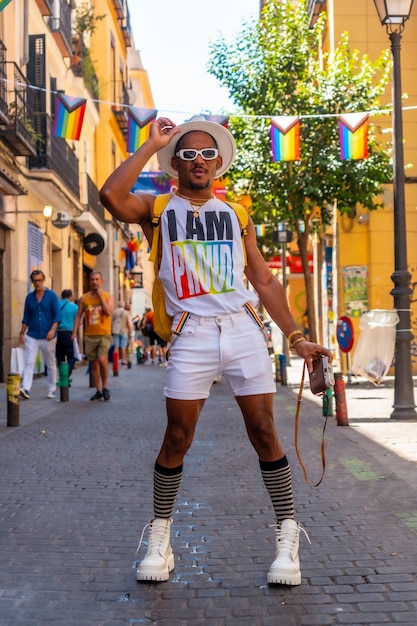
(344,333)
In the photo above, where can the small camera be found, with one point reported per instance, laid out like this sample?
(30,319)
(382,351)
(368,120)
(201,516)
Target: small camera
(321,378)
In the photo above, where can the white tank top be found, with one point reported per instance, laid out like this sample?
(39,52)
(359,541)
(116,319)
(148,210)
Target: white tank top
(202,261)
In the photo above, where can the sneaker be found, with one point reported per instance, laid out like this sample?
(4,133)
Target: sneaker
(97,396)
(159,560)
(106,395)
(285,570)
(51,395)
(24,393)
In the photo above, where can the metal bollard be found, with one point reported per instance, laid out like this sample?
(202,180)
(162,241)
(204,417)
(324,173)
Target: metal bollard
(129,357)
(115,361)
(64,381)
(277,369)
(283,369)
(340,398)
(13,384)
(327,401)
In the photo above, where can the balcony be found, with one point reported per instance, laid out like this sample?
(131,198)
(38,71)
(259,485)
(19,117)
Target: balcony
(82,66)
(314,8)
(127,35)
(18,130)
(60,26)
(126,30)
(119,9)
(55,155)
(4,107)
(45,6)
(120,111)
(94,204)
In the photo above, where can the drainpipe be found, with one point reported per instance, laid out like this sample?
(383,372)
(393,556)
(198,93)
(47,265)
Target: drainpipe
(25,58)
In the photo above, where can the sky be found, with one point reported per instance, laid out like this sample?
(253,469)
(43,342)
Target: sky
(173,40)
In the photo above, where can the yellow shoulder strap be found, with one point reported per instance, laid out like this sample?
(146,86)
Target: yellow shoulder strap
(243,217)
(158,208)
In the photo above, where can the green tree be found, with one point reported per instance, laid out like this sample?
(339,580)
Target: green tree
(275,66)
(85,24)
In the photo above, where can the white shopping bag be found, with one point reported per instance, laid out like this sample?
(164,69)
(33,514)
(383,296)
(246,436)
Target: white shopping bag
(376,345)
(17,361)
(77,352)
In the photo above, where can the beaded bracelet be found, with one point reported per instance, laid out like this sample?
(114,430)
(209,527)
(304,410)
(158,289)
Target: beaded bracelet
(293,334)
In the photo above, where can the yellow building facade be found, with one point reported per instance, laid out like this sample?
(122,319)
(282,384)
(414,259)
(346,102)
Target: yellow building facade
(365,242)
(84,50)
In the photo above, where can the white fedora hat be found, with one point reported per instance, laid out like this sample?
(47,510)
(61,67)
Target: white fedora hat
(223,138)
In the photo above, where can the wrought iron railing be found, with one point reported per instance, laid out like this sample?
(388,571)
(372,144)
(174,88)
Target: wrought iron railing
(4,112)
(55,154)
(18,130)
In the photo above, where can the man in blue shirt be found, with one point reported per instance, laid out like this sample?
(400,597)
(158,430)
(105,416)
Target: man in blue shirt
(41,317)
(64,343)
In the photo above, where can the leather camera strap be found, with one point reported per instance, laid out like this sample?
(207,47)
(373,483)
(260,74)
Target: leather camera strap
(297,419)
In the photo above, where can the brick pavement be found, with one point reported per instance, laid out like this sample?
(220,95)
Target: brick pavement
(75,492)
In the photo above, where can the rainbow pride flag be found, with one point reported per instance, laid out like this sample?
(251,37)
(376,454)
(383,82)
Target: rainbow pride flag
(137,127)
(353,133)
(69,116)
(285,137)
(3,4)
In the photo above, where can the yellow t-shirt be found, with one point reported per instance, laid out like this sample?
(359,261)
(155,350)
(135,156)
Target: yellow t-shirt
(96,321)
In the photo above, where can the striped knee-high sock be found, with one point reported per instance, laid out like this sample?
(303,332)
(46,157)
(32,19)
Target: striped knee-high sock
(166,483)
(277,479)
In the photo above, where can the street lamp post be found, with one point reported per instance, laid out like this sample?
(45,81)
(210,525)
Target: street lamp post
(393,14)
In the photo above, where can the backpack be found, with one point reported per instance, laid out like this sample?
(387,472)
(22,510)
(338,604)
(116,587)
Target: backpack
(163,321)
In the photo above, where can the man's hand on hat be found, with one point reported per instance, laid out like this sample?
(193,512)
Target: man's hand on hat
(163,130)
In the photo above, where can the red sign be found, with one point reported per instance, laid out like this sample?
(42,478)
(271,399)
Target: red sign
(296,266)
(293,262)
(274,263)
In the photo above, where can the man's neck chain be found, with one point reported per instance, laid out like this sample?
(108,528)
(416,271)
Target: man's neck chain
(194,203)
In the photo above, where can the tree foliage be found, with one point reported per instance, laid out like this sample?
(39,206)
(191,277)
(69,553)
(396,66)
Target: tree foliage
(276,66)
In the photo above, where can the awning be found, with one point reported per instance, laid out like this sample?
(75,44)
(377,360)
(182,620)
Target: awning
(90,224)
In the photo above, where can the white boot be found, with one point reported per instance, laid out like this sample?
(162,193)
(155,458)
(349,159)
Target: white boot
(159,560)
(285,570)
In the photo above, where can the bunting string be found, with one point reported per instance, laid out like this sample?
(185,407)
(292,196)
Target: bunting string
(387,110)
(284,129)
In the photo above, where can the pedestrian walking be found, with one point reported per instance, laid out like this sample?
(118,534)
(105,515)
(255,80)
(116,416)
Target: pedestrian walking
(96,307)
(130,332)
(41,317)
(64,342)
(216,327)
(122,329)
(148,331)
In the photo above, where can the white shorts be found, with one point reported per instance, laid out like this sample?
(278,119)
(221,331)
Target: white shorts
(231,345)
